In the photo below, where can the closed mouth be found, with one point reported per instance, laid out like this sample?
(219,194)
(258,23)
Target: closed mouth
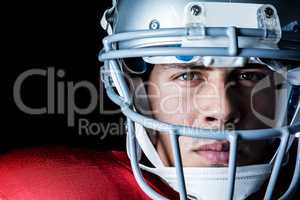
(216,153)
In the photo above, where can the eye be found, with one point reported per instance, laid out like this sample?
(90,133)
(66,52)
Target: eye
(189,76)
(251,76)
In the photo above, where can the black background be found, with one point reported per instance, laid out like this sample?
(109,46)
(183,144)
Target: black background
(59,34)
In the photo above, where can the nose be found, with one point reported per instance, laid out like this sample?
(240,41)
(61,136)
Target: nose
(221,109)
(222,118)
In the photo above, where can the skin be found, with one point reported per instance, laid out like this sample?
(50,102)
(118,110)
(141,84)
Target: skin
(213,98)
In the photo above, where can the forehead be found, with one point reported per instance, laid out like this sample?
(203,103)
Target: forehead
(196,66)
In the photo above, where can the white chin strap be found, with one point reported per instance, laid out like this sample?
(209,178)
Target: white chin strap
(204,183)
(210,183)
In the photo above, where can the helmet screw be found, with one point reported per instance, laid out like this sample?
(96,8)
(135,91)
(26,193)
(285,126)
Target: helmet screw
(196,10)
(269,12)
(154,24)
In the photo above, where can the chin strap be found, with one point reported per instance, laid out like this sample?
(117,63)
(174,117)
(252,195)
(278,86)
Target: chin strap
(147,146)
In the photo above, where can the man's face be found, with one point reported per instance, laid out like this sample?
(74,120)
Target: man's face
(213,98)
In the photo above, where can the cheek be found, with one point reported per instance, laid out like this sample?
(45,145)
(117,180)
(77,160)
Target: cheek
(171,104)
(253,104)
(264,103)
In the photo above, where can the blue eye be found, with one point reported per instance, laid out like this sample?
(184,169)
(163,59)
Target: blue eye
(189,76)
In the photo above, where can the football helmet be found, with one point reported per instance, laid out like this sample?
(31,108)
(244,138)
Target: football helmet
(215,33)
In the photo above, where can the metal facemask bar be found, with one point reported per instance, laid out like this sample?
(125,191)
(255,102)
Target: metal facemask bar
(110,56)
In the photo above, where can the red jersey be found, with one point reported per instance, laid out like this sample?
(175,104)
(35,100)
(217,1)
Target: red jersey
(63,173)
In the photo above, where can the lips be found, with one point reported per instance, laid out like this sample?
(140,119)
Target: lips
(218,146)
(215,153)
